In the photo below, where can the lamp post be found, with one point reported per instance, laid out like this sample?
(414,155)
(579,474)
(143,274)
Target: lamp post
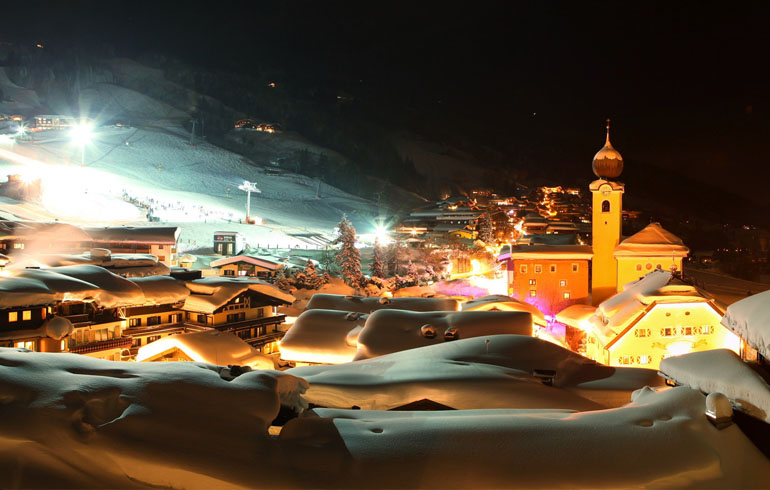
(248,187)
(81,135)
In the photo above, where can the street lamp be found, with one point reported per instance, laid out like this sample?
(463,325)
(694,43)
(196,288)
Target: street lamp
(248,187)
(81,135)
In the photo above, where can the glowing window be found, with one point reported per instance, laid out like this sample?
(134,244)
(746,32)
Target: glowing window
(638,267)
(648,266)
(644,359)
(605,207)
(42,313)
(563,283)
(538,269)
(26,315)
(523,269)
(532,293)
(533,282)
(707,329)
(13,316)
(566,295)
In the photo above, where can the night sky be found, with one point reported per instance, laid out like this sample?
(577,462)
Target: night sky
(685,83)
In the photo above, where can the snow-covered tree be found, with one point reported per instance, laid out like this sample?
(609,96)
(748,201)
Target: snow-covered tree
(282,281)
(485,229)
(348,257)
(411,272)
(377,269)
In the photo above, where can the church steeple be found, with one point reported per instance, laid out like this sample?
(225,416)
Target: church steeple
(608,163)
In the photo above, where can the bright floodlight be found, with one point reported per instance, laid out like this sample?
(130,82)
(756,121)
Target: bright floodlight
(81,134)
(382,234)
(21,130)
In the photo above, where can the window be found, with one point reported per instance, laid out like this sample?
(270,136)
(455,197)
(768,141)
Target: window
(533,282)
(668,331)
(688,330)
(638,267)
(134,322)
(152,338)
(26,315)
(18,245)
(563,283)
(533,292)
(574,267)
(13,316)
(707,329)
(644,359)
(642,332)
(523,268)
(236,317)
(160,247)
(625,359)
(538,269)
(161,258)
(566,295)
(659,267)
(29,344)
(648,266)
(153,320)
(605,207)
(63,345)
(260,312)
(42,313)
(242,273)
(201,319)
(229,272)
(552,268)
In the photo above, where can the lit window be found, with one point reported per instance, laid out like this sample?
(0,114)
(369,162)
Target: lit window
(63,345)
(566,295)
(563,283)
(638,267)
(42,313)
(644,360)
(574,267)
(533,292)
(13,316)
(707,329)
(553,268)
(538,269)
(523,269)
(18,245)
(26,315)
(533,282)
(648,266)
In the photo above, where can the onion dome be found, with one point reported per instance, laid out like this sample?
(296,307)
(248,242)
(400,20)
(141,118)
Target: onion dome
(608,164)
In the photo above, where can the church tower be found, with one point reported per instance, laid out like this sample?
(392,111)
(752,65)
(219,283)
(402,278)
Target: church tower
(606,221)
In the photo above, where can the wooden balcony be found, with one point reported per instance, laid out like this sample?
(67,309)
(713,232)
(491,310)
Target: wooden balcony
(100,345)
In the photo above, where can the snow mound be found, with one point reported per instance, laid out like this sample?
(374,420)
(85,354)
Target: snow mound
(212,347)
(363,304)
(323,336)
(721,371)
(749,318)
(474,373)
(71,421)
(388,331)
(661,439)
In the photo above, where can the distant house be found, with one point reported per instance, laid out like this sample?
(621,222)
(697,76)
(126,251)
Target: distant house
(160,241)
(248,265)
(228,242)
(50,122)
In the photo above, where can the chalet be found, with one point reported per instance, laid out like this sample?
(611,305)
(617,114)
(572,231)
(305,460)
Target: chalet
(228,242)
(653,318)
(241,306)
(210,346)
(160,241)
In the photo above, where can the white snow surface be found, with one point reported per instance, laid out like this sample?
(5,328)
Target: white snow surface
(364,304)
(388,331)
(722,371)
(323,336)
(749,319)
(211,347)
(660,440)
(71,421)
(469,374)
(503,303)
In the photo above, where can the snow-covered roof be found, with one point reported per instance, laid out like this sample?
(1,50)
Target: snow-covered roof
(126,265)
(652,240)
(209,346)
(363,304)
(211,293)
(721,371)
(473,373)
(259,261)
(749,319)
(161,290)
(613,315)
(44,232)
(323,336)
(389,331)
(549,252)
(503,303)
(135,234)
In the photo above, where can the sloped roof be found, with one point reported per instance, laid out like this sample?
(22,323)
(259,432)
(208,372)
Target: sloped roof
(211,293)
(653,240)
(249,259)
(135,234)
(504,303)
(210,346)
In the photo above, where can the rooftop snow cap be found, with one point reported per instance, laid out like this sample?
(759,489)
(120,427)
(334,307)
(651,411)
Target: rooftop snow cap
(608,163)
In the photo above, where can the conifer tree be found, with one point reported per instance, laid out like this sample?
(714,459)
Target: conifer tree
(348,257)
(377,268)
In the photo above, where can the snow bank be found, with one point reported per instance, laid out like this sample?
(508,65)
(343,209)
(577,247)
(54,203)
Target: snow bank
(721,371)
(367,305)
(749,318)
(389,331)
(212,347)
(71,421)
(660,440)
(323,336)
(472,373)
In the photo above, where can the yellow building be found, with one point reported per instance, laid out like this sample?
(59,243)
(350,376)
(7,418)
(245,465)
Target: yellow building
(607,220)
(650,249)
(651,319)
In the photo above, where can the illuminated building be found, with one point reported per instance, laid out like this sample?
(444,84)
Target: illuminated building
(551,277)
(653,318)
(650,249)
(247,265)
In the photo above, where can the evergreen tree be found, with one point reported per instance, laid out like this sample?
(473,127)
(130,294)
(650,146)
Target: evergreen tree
(282,281)
(348,257)
(377,268)
(411,272)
